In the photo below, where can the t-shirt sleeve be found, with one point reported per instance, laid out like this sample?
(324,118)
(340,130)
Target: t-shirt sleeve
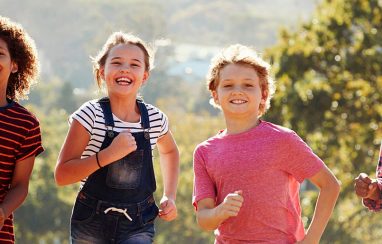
(299,159)
(85,115)
(204,186)
(164,124)
(32,145)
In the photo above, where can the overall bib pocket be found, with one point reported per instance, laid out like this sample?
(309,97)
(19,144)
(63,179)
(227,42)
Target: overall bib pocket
(126,172)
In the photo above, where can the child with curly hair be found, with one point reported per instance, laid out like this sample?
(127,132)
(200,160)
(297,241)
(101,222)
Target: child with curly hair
(248,176)
(20,136)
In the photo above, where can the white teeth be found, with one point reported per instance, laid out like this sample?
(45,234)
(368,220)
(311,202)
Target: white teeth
(238,101)
(123,80)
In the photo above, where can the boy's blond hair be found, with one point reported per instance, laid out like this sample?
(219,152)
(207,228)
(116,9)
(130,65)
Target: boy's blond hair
(240,54)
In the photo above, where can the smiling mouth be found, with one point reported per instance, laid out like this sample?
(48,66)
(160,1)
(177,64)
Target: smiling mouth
(124,81)
(237,101)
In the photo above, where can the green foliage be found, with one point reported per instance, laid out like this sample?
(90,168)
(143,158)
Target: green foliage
(329,82)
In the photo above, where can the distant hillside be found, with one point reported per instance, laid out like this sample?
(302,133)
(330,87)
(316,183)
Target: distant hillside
(216,22)
(68,32)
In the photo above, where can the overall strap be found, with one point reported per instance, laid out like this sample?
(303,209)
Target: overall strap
(145,122)
(109,121)
(106,109)
(144,114)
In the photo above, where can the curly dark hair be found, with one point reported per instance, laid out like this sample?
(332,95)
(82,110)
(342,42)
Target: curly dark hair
(23,52)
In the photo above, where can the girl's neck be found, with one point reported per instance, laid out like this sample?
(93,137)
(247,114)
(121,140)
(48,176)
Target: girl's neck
(240,126)
(125,109)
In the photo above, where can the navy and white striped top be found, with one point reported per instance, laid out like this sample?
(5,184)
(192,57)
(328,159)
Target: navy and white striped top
(91,117)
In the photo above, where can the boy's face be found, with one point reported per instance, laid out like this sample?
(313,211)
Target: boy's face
(238,91)
(7,66)
(124,70)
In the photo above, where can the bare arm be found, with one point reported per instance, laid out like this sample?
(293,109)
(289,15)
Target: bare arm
(209,216)
(329,191)
(71,168)
(19,188)
(169,161)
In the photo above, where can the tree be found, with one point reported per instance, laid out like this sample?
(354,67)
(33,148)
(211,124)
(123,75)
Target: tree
(329,91)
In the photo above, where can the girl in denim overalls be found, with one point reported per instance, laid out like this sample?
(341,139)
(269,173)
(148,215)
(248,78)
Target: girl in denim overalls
(108,148)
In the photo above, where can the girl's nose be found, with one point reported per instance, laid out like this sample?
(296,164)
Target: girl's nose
(125,69)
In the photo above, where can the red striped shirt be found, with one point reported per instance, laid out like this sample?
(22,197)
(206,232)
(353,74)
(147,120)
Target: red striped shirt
(20,138)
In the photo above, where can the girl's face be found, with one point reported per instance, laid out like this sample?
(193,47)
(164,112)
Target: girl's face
(238,92)
(7,66)
(124,71)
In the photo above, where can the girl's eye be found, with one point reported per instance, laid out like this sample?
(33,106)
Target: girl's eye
(135,65)
(115,63)
(227,86)
(249,85)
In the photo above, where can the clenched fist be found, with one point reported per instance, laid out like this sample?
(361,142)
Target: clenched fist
(123,144)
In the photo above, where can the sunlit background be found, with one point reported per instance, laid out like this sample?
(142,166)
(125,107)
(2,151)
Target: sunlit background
(326,58)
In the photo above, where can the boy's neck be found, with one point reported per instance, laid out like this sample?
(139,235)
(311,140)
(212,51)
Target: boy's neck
(240,126)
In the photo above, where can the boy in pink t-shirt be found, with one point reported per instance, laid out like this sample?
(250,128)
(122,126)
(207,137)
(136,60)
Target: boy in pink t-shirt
(247,177)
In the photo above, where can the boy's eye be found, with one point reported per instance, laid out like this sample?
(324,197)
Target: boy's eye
(115,62)
(135,65)
(227,85)
(249,85)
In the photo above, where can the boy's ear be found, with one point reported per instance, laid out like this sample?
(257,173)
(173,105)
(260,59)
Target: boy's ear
(215,97)
(264,96)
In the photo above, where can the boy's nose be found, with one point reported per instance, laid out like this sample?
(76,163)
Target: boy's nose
(237,90)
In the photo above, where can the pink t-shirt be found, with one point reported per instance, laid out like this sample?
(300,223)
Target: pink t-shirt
(267,163)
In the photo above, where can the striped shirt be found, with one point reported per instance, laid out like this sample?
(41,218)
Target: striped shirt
(91,117)
(20,138)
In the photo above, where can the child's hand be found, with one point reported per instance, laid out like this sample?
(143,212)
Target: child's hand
(167,209)
(366,187)
(123,144)
(231,205)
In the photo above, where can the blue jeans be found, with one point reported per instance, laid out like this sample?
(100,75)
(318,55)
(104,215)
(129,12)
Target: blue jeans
(91,225)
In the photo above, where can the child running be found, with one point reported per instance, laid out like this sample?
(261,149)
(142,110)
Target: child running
(247,177)
(370,189)
(109,149)
(20,136)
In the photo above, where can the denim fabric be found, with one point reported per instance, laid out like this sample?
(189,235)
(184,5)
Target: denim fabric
(131,178)
(117,192)
(126,172)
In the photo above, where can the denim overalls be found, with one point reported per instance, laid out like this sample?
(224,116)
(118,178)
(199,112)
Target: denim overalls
(116,203)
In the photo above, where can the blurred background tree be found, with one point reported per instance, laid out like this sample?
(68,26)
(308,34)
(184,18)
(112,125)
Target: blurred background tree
(329,77)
